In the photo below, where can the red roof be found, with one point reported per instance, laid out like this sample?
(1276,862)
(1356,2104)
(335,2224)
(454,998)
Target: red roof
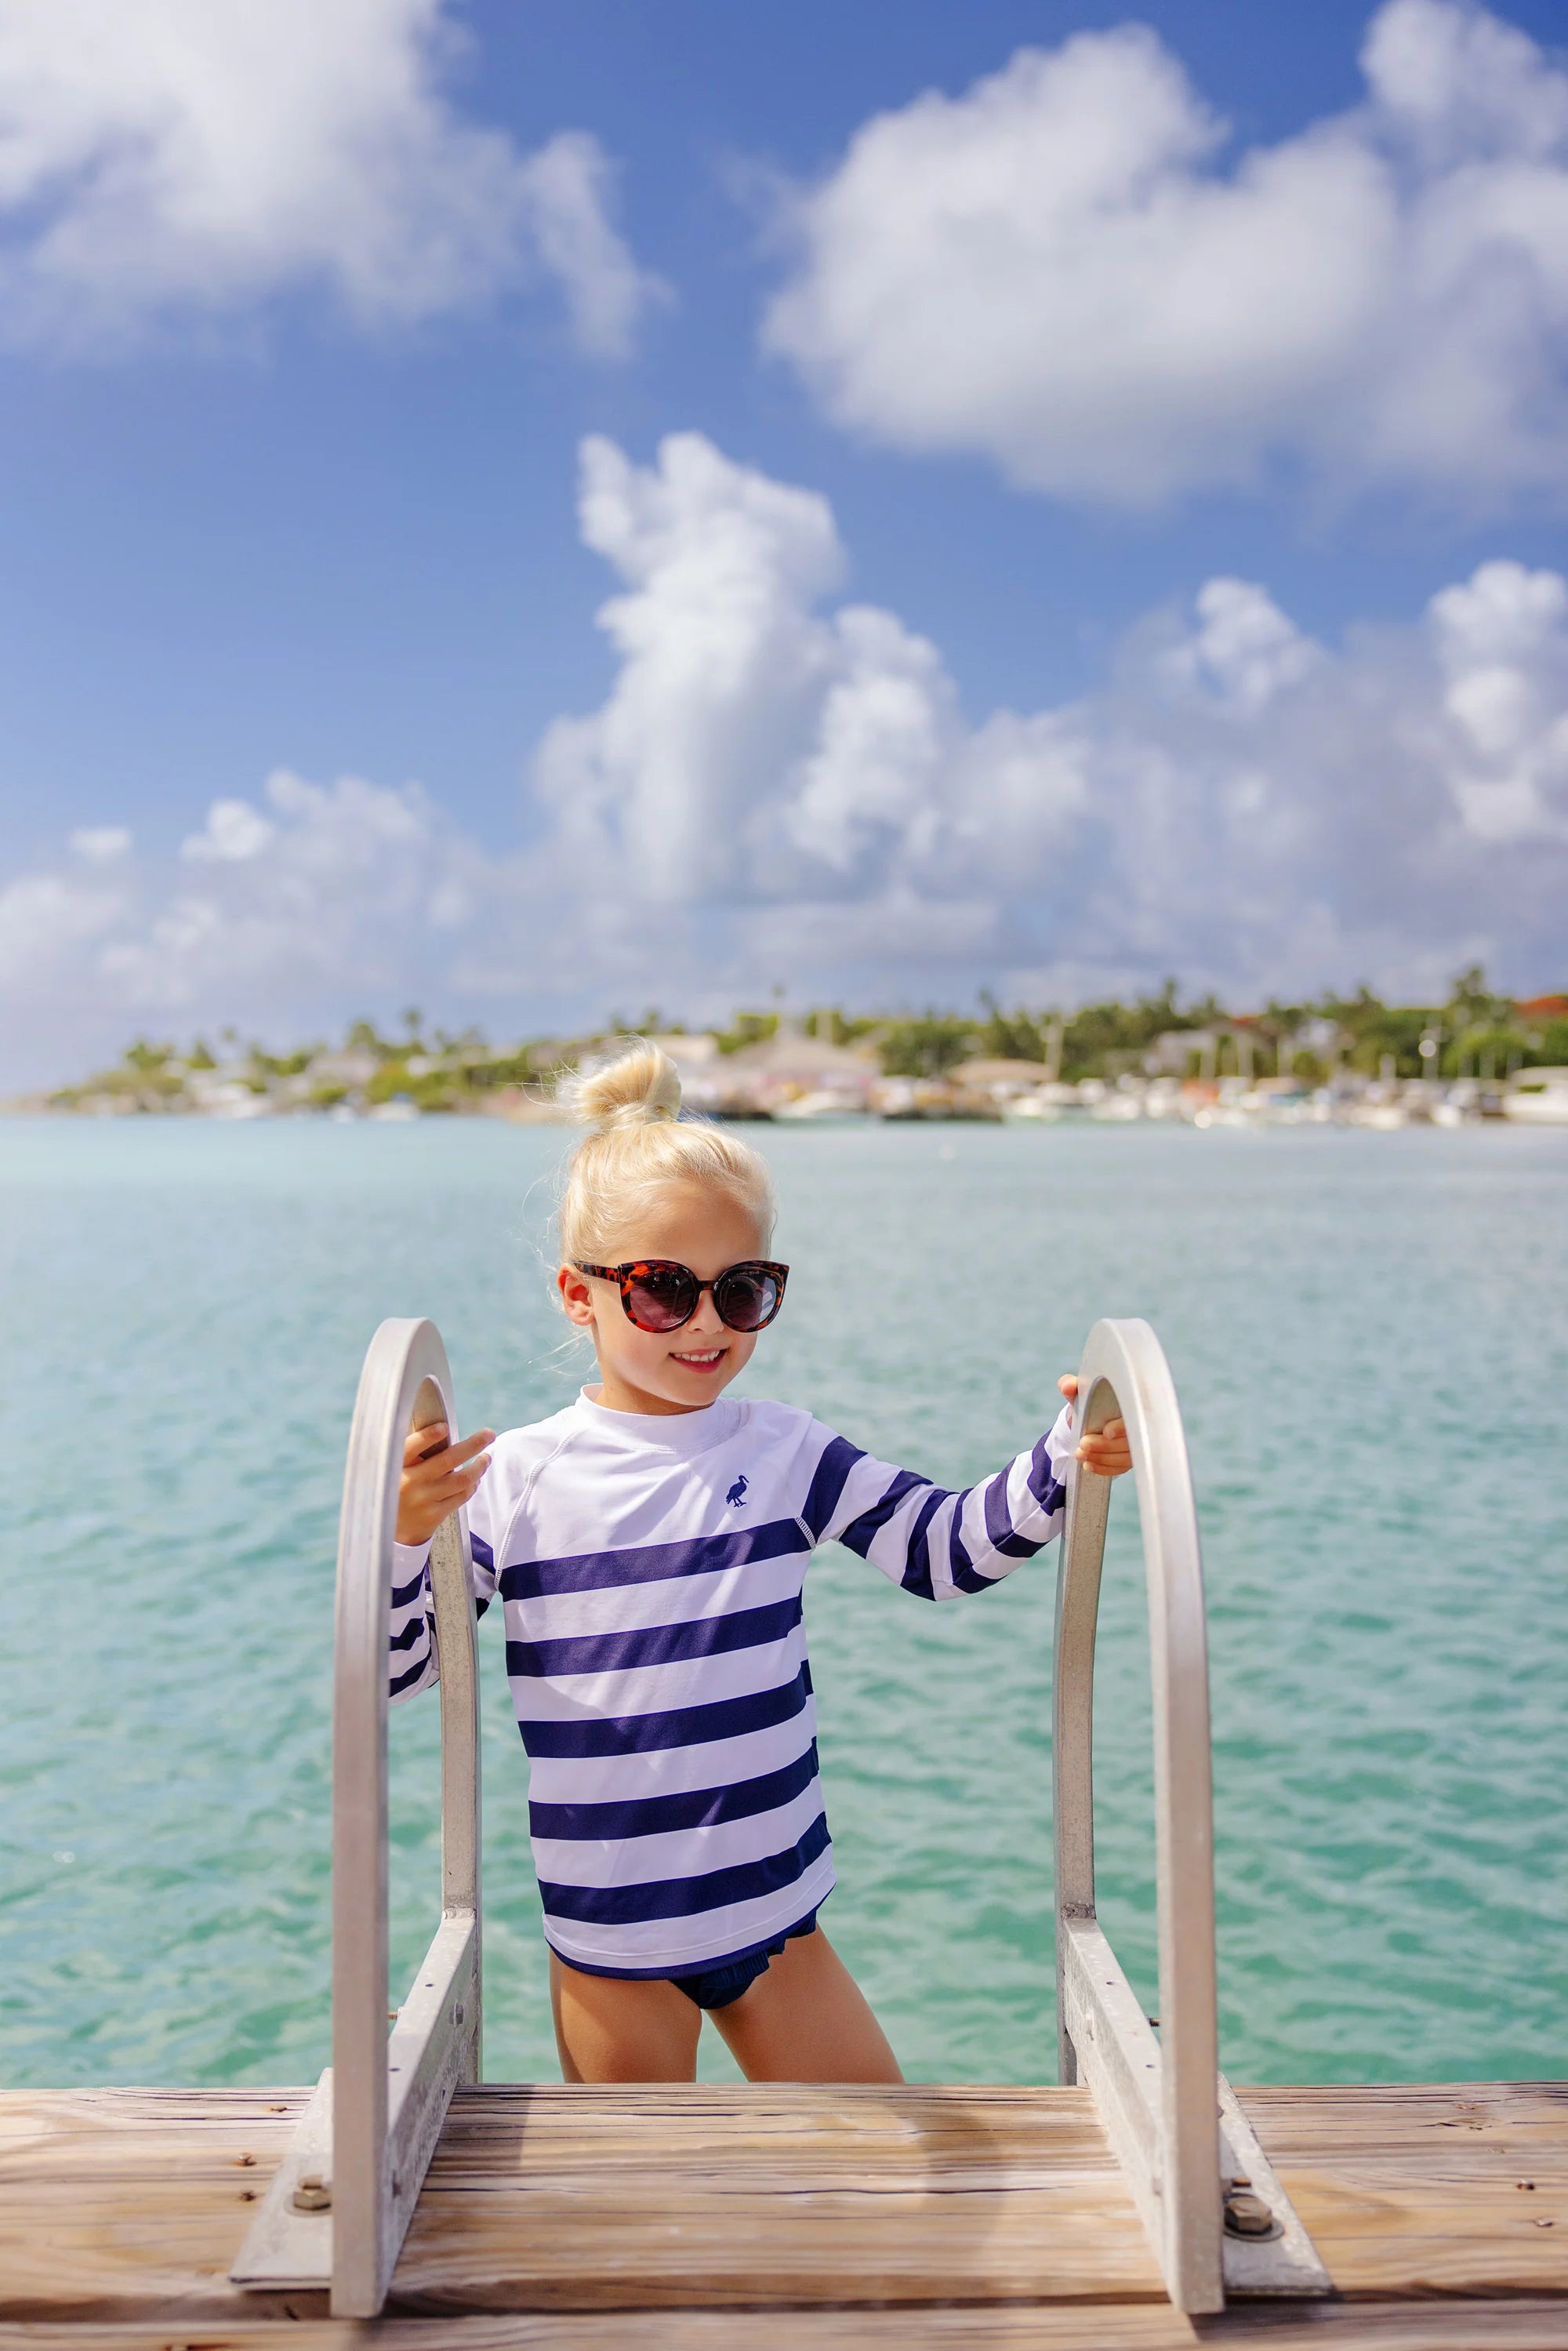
(1543,1007)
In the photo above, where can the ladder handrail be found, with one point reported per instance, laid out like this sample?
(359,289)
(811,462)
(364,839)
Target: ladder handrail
(390,2095)
(340,2201)
(1124,1372)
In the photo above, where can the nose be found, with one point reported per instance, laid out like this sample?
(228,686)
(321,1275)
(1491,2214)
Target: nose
(706,1322)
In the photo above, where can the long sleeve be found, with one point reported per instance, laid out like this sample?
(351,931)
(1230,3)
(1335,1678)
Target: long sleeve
(928,1539)
(412,1663)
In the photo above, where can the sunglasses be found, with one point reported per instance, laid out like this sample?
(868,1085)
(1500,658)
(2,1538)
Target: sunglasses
(659,1295)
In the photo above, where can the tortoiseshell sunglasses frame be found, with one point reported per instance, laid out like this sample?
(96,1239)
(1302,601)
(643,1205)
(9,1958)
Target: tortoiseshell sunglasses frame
(639,1269)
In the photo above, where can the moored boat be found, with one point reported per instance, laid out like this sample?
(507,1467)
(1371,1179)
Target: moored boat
(1538,1098)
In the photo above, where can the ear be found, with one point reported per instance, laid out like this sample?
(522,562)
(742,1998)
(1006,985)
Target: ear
(575,1294)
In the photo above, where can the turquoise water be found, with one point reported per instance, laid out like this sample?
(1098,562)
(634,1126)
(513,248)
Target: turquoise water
(1370,1338)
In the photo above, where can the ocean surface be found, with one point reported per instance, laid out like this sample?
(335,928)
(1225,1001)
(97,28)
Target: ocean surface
(1369,1334)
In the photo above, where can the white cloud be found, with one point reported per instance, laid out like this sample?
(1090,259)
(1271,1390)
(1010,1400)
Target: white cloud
(234,833)
(101,844)
(720,662)
(570,190)
(186,156)
(1244,649)
(273,916)
(1061,270)
(779,787)
(46,920)
(773,788)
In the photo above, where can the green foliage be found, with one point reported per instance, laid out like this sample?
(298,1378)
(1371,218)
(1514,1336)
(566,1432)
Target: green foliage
(927,1048)
(835,1027)
(1103,1039)
(1011,1036)
(363,1038)
(1479,1032)
(747,1028)
(283,1065)
(1472,1005)
(1549,1048)
(146,1059)
(503,1069)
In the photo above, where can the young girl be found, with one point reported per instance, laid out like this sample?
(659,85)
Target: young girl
(649,1544)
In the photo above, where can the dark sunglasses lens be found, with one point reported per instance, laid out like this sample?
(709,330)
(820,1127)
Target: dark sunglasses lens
(663,1297)
(746,1297)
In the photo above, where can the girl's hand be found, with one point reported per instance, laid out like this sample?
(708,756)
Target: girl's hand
(437,1479)
(1107,1452)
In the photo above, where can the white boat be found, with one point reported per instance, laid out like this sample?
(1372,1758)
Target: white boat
(812,1108)
(1538,1098)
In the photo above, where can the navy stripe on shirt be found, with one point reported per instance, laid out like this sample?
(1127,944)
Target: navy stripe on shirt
(693,1808)
(405,1594)
(999,1525)
(1043,1482)
(655,1645)
(681,1725)
(860,1532)
(534,1579)
(916,1576)
(828,1480)
(686,1898)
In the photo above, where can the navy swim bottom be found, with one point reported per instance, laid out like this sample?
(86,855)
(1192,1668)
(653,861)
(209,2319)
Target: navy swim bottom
(717,1987)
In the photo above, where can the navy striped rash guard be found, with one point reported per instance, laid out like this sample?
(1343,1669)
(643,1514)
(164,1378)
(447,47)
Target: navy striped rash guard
(651,1571)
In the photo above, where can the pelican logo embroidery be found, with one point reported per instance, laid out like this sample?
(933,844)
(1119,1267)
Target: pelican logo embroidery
(736,1494)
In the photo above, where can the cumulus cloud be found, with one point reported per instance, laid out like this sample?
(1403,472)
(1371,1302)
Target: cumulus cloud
(276,914)
(1065,269)
(771,776)
(181,157)
(779,786)
(101,844)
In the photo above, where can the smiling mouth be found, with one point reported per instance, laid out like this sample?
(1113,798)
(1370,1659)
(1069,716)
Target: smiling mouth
(706,1359)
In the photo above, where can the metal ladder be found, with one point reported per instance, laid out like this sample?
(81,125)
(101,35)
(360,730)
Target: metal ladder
(339,2206)
(1186,2150)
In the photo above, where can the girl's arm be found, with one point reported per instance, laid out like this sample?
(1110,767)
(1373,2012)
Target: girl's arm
(932,1540)
(435,1481)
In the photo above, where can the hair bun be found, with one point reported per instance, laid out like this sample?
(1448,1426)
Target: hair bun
(634,1087)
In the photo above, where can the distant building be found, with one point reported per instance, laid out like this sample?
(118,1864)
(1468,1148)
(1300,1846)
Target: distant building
(350,1067)
(781,1071)
(1002,1080)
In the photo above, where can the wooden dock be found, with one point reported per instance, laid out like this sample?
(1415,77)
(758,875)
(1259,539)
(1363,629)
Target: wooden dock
(786,2218)
(781,2217)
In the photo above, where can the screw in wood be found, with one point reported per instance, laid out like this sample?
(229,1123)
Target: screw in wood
(314,2194)
(1247,2215)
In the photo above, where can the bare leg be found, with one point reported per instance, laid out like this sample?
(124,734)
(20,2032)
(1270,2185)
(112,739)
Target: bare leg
(807,2020)
(617,2029)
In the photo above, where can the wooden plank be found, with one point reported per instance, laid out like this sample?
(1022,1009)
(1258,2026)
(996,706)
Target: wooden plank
(125,2204)
(131,2203)
(768,2194)
(1533,2325)
(1415,2188)
(129,2206)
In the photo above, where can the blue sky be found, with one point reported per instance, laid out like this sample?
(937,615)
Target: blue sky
(1120,525)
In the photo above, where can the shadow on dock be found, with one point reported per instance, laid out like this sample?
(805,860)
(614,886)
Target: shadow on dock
(786,2218)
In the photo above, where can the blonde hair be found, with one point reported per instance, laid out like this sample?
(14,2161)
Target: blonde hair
(637,1144)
